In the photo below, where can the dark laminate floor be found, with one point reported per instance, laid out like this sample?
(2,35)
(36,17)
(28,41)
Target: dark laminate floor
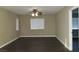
(35,44)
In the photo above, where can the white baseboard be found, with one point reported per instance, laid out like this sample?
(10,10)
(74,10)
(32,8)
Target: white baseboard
(8,42)
(39,36)
(63,43)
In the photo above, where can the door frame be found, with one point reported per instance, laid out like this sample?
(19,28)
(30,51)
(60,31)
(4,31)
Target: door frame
(70,28)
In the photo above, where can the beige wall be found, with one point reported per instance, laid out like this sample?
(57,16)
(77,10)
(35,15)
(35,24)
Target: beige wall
(7,26)
(25,26)
(62,25)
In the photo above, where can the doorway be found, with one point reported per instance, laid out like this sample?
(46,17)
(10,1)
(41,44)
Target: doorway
(74,29)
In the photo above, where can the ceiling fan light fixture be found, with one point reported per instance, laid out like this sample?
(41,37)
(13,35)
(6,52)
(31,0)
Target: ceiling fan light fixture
(35,12)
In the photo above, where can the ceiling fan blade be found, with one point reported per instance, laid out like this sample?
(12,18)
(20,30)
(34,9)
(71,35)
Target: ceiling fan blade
(39,13)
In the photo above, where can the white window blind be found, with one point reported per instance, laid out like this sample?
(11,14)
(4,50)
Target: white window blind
(17,24)
(37,23)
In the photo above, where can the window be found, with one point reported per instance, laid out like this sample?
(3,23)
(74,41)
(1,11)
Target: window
(17,24)
(37,23)
(75,23)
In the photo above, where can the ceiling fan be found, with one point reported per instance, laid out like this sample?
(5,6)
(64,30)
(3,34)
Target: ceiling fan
(35,12)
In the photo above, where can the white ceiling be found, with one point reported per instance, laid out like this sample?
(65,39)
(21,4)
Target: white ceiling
(21,10)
